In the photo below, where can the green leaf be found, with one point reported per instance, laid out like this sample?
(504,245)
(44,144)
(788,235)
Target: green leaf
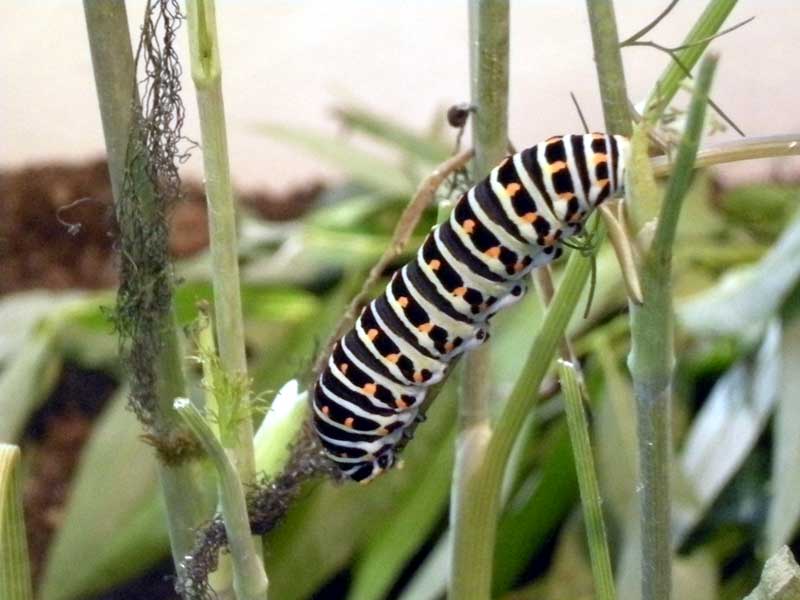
(726,429)
(430,579)
(784,507)
(537,508)
(746,298)
(396,540)
(112,520)
(15,572)
(360,165)
(330,525)
(385,130)
(27,381)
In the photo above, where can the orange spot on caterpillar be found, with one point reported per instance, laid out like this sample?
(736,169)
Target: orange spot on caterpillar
(552,138)
(326,410)
(493,252)
(512,188)
(459,291)
(370,388)
(383,431)
(602,183)
(599,158)
(343,367)
(557,166)
(417,376)
(469,225)
(348,422)
(399,403)
(449,347)
(392,358)
(518,267)
(435,264)
(530,217)
(598,136)
(566,196)
(425,327)
(402,301)
(372,334)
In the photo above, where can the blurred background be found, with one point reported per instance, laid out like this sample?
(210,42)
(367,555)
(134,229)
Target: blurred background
(336,110)
(293,62)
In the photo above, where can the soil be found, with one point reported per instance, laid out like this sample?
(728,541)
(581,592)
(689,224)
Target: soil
(55,233)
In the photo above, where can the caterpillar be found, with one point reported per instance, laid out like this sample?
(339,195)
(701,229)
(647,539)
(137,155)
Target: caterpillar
(438,305)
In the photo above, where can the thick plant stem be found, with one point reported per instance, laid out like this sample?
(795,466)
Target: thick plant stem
(651,358)
(206,73)
(608,61)
(470,568)
(112,60)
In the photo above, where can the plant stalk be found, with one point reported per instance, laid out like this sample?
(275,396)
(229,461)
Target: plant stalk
(652,357)
(114,71)
(587,482)
(250,580)
(15,570)
(608,61)
(470,569)
(229,325)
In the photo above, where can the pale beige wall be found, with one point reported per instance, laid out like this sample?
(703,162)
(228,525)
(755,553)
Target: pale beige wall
(291,61)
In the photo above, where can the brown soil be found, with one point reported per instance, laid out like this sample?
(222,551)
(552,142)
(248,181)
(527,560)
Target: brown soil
(55,224)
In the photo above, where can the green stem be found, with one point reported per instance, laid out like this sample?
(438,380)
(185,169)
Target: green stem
(15,570)
(250,580)
(470,575)
(770,146)
(651,358)
(608,60)
(206,73)
(670,80)
(112,60)
(587,481)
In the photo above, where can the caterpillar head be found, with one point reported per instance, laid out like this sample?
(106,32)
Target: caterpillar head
(368,471)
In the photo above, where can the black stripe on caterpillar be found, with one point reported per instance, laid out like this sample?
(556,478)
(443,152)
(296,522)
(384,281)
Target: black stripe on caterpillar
(438,305)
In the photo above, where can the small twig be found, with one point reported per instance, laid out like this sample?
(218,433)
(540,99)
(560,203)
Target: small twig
(715,36)
(622,248)
(650,26)
(580,112)
(402,233)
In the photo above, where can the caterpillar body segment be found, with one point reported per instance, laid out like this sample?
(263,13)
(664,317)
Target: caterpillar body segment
(438,305)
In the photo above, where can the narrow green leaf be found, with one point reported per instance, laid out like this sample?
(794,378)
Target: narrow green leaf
(391,133)
(784,507)
(396,540)
(15,572)
(362,166)
(731,307)
(727,428)
(113,519)
(27,381)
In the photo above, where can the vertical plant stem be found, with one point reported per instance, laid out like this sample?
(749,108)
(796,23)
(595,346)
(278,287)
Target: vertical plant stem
(15,571)
(587,481)
(471,566)
(652,357)
(608,61)
(250,580)
(207,76)
(112,60)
